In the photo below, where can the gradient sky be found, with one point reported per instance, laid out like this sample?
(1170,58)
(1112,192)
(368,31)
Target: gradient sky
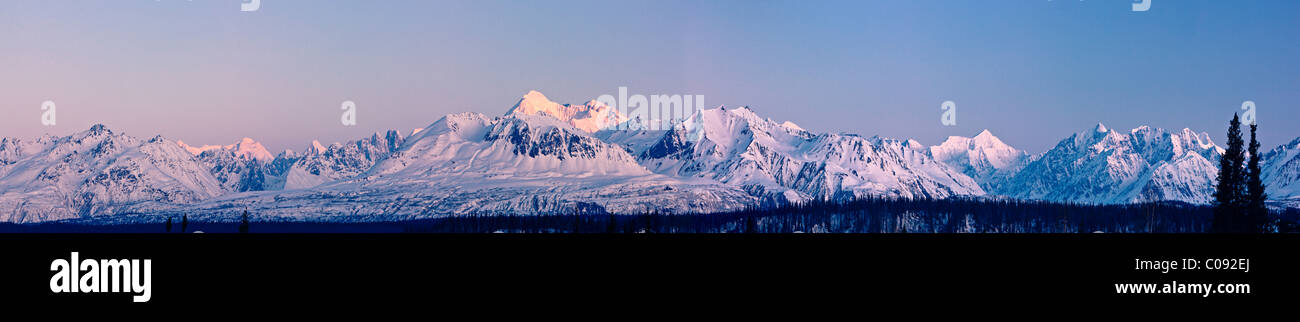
(1032,71)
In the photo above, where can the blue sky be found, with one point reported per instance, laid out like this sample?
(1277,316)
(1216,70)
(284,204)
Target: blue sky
(1032,71)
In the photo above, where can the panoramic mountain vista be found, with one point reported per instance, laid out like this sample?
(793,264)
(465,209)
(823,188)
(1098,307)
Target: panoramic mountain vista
(543,157)
(469,156)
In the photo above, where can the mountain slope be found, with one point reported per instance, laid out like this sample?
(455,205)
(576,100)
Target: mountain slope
(1110,167)
(517,145)
(1281,171)
(468,163)
(984,157)
(526,163)
(240,167)
(320,164)
(95,173)
(737,147)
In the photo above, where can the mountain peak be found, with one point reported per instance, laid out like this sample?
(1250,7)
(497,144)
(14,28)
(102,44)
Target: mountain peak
(533,103)
(98,129)
(1199,140)
(979,157)
(535,96)
(590,117)
(984,139)
(246,148)
(251,149)
(792,126)
(912,143)
(742,111)
(1101,128)
(197,150)
(1294,143)
(315,147)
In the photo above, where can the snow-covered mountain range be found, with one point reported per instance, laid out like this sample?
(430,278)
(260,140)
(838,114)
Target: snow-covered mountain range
(737,147)
(1107,166)
(1281,168)
(984,158)
(97,172)
(544,157)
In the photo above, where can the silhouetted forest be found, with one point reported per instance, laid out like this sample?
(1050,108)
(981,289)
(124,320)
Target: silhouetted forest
(870,215)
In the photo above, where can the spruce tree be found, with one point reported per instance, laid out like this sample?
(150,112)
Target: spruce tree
(169,224)
(577,220)
(243,223)
(1229,193)
(1256,210)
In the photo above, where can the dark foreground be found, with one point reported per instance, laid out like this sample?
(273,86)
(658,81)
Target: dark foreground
(859,216)
(662,274)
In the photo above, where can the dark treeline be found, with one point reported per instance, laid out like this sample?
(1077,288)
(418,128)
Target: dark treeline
(869,215)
